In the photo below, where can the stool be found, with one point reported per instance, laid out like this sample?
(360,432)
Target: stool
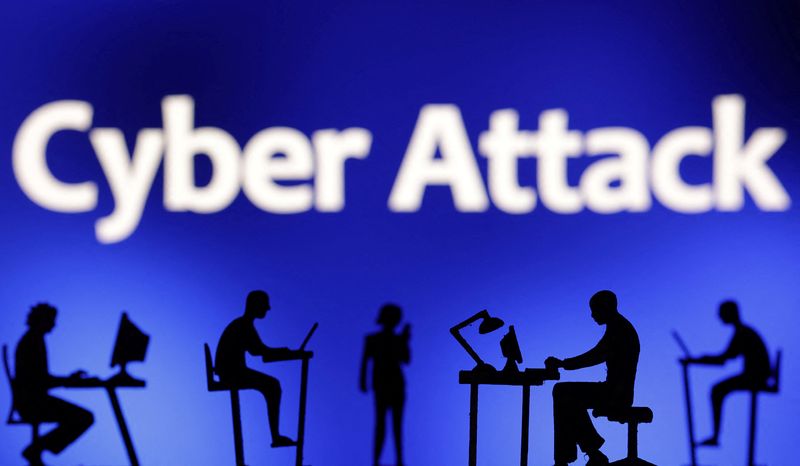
(216,386)
(772,387)
(633,416)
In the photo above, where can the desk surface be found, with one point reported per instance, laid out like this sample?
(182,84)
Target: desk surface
(527,377)
(292,355)
(111,382)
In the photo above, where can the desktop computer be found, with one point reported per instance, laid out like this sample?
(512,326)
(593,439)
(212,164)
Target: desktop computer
(131,346)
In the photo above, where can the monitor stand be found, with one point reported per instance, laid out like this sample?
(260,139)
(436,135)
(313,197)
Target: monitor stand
(123,378)
(511,366)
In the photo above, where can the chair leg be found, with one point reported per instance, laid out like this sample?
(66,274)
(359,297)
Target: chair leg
(35,428)
(751,451)
(633,449)
(633,441)
(238,442)
(631,462)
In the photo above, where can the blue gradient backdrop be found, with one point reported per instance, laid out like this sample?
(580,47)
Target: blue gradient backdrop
(315,65)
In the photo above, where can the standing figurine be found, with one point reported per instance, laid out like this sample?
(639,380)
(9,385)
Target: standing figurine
(388,352)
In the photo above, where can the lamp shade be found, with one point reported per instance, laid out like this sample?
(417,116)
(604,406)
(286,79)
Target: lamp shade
(490,324)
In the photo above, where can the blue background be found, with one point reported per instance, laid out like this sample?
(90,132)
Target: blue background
(309,65)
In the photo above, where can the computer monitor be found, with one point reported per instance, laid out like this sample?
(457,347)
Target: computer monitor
(131,344)
(510,348)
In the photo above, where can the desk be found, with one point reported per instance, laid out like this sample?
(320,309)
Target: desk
(303,356)
(110,385)
(523,379)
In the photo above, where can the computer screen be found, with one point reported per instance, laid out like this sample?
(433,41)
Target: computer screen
(131,344)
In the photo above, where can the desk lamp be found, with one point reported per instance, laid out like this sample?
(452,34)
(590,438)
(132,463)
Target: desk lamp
(488,324)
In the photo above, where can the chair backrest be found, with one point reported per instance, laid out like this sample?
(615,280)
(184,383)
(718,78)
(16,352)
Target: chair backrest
(18,419)
(10,378)
(209,367)
(6,365)
(776,372)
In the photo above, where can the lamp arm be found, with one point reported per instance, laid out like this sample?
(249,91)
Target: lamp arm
(456,332)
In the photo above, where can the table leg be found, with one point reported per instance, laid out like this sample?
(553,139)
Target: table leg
(123,427)
(751,450)
(526,406)
(238,439)
(689,419)
(301,423)
(473,425)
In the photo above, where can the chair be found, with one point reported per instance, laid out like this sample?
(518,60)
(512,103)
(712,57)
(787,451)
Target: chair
(772,387)
(633,416)
(14,418)
(217,386)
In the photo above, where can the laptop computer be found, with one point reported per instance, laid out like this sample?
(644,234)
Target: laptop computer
(308,337)
(682,344)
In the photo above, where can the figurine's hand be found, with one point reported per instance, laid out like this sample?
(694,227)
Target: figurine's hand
(407,331)
(279,352)
(553,363)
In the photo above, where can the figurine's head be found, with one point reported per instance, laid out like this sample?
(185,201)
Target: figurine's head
(729,312)
(42,318)
(389,316)
(257,304)
(603,305)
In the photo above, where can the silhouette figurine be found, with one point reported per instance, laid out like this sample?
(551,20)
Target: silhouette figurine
(32,383)
(240,337)
(619,349)
(388,352)
(746,343)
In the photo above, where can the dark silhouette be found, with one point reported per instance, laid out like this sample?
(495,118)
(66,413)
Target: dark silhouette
(633,416)
(509,346)
(14,419)
(130,346)
(240,337)
(488,325)
(510,375)
(388,352)
(619,350)
(755,378)
(31,386)
(32,403)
